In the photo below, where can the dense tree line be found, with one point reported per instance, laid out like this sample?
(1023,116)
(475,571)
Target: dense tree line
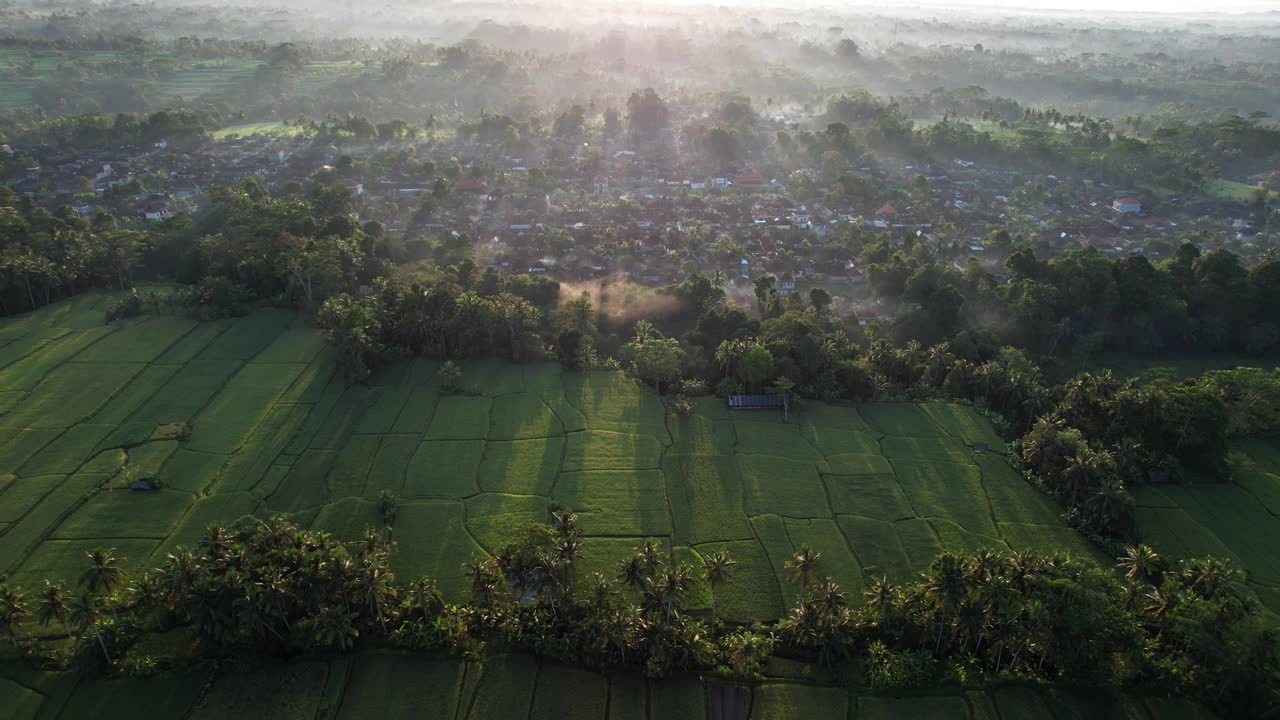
(266,586)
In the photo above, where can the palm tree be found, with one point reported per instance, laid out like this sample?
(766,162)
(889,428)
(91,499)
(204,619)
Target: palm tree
(831,600)
(881,596)
(83,613)
(631,572)
(1110,506)
(715,570)
(650,557)
(804,567)
(568,548)
(51,604)
(944,584)
(215,543)
(13,610)
(565,524)
(1140,562)
(1078,473)
(483,580)
(671,588)
(1210,578)
(450,373)
(1159,603)
(335,627)
(425,597)
(104,573)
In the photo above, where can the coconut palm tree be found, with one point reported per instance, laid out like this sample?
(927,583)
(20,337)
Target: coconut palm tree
(215,544)
(567,550)
(715,570)
(804,567)
(423,596)
(1110,506)
(83,613)
(650,557)
(104,573)
(450,374)
(1210,578)
(944,585)
(51,604)
(880,596)
(631,572)
(13,610)
(669,590)
(1142,563)
(831,600)
(565,524)
(1159,604)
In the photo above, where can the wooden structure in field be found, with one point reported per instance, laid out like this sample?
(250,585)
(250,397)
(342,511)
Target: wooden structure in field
(761,402)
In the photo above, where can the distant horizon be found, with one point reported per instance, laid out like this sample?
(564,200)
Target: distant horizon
(1156,7)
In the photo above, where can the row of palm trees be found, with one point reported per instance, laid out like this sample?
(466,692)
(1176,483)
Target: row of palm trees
(268,586)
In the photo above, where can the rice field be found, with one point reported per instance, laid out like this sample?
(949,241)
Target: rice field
(205,79)
(1238,521)
(391,685)
(250,417)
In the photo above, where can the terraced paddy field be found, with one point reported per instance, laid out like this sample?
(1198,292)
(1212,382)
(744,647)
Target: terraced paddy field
(384,685)
(207,79)
(1239,520)
(249,417)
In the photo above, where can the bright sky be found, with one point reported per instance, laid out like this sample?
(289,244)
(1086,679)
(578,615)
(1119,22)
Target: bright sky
(1157,6)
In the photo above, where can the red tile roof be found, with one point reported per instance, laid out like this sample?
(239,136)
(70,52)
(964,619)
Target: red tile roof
(473,185)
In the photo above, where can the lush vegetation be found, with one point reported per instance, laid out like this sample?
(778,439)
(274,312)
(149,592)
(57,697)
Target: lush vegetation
(270,587)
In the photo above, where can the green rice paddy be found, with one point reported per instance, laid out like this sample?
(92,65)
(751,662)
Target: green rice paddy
(1238,521)
(206,79)
(391,685)
(249,417)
